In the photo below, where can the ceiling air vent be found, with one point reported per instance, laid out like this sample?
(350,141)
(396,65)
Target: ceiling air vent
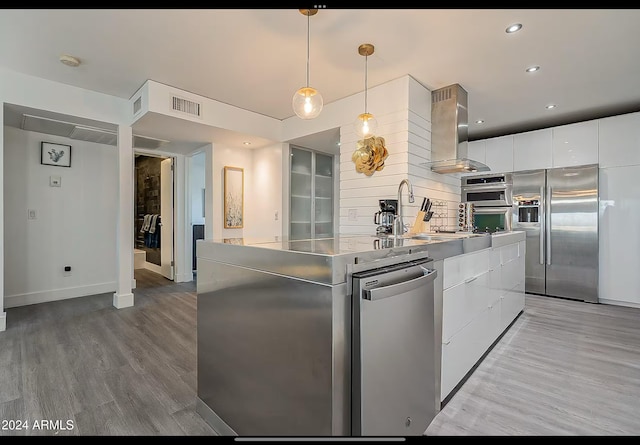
(185,106)
(45,125)
(137,105)
(97,135)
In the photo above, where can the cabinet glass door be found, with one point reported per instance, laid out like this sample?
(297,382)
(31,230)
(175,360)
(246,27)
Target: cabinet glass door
(323,181)
(301,193)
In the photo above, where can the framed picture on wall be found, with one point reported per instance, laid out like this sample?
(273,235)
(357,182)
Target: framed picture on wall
(55,154)
(233,197)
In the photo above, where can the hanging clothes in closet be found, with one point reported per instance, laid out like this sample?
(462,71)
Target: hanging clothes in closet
(151,229)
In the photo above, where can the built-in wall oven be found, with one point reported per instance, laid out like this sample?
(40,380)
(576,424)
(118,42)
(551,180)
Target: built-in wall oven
(488,190)
(491,196)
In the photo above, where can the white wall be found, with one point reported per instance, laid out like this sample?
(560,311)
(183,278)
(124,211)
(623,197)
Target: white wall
(75,225)
(264,199)
(34,92)
(197,183)
(232,157)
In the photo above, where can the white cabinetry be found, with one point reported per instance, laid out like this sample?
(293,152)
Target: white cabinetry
(619,140)
(483,292)
(532,150)
(476,152)
(619,237)
(499,153)
(575,144)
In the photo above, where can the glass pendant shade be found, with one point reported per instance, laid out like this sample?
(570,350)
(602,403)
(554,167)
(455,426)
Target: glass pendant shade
(307,103)
(365,125)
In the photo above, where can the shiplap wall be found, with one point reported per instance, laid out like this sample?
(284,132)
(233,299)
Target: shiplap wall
(407,133)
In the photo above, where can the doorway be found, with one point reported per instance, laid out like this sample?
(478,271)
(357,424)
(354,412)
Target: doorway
(154,216)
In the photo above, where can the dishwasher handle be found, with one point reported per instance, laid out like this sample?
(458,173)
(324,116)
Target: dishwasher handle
(379,293)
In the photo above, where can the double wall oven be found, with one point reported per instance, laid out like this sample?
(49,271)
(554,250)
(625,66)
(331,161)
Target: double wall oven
(491,196)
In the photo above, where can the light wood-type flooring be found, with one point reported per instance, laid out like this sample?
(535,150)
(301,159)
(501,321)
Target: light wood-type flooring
(563,368)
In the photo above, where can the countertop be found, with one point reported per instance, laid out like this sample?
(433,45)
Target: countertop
(325,260)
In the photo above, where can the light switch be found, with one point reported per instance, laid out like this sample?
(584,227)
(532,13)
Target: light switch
(32,213)
(353,215)
(55,181)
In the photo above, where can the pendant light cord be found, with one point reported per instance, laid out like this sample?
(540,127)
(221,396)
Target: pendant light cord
(308,38)
(366,70)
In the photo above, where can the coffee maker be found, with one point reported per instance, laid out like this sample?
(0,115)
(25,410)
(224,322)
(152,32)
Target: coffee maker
(385,216)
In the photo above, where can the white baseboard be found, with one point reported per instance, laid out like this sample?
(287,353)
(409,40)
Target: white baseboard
(153,267)
(184,277)
(58,294)
(121,301)
(3,321)
(619,303)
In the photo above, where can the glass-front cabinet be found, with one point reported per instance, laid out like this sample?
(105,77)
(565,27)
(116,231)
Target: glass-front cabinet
(311,195)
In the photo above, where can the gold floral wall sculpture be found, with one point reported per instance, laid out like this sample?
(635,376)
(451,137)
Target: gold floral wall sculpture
(370,155)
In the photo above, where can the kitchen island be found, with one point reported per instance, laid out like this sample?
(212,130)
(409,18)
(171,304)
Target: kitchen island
(276,324)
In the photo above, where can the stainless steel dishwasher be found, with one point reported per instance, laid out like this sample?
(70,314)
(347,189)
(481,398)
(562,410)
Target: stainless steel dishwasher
(393,363)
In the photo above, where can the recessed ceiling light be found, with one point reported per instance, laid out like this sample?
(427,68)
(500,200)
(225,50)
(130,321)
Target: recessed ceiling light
(513,28)
(531,69)
(69,60)
(550,106)
(247,143)
(479,121)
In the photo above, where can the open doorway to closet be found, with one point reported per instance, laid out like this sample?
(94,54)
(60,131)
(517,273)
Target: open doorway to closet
(154,217)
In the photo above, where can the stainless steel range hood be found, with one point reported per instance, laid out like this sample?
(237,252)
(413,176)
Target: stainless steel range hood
(449,132)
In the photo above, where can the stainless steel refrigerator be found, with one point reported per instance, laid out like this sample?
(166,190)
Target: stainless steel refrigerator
(558,210)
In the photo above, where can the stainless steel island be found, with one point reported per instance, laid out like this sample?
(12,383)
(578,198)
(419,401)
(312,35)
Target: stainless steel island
(281,349)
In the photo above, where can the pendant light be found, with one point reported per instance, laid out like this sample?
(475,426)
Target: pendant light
(307,101)
(366,124)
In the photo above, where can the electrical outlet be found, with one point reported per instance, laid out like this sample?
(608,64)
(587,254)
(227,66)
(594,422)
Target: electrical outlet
(32,214)
(55,181)
(353,215)
(276,215)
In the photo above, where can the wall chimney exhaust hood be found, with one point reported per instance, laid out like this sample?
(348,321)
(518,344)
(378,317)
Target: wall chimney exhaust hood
(449,132)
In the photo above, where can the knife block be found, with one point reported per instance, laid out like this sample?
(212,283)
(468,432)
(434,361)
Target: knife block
(419,225)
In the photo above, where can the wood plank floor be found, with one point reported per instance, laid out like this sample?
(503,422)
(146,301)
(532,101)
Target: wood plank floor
(564,368)
(112,372)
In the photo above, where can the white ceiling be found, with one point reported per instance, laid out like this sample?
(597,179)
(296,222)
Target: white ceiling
(256,58)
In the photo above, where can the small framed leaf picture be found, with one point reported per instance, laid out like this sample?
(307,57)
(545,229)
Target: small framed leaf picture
(55,154)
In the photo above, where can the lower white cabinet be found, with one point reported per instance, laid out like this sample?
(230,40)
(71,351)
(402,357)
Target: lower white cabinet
(476,309)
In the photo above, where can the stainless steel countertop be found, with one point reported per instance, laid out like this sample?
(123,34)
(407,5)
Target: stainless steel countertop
(324,260)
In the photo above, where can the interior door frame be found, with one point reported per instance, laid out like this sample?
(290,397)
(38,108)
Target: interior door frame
(175,192)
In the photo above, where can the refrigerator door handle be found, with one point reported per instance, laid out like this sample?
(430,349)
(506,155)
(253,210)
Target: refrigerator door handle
(542,224)
(548,222)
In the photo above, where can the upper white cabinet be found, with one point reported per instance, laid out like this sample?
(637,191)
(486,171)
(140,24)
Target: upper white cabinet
(499,153)
(619,140)
(575,144)
(476,150)
(532,150)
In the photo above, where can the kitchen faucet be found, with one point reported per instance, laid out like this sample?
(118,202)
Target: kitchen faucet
(398,225)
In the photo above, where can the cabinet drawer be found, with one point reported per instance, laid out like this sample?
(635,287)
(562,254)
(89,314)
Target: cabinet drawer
(463,350)
(463,303)
(512,274)
(512,304)
(494,259)
(460,268)
(509,252)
